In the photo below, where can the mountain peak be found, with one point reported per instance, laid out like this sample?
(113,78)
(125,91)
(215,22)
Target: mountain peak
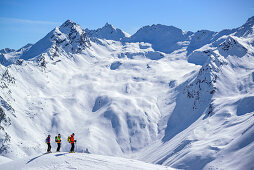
(70,26)
(108,31)
(69,37)
(162,37)
(160,27)
(68,23)
(6,50)
(109,25)
(246,29)
(232,47)
(25,48)
(250,20)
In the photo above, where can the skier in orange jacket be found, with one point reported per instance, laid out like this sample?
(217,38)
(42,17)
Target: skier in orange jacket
(72,141)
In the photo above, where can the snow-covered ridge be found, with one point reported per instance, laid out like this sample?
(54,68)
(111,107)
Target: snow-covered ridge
(25,48)
(229,47)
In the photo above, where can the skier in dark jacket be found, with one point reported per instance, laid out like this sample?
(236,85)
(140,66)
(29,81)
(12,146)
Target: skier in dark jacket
(58,141)
(48,143)
(72,142)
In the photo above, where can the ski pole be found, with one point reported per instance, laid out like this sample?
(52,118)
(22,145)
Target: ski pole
(76,146)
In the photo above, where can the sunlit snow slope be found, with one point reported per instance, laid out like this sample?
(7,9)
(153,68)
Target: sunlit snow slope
(63,160)
(162,95)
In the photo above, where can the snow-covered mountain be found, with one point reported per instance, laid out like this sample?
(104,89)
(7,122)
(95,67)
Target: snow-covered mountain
(67,39)
(162,95)
(6,50)
(4,55)
(163,38)
(199,39)
(212,122)
(108,32)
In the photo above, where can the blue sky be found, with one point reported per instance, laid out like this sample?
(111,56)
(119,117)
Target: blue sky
(27,21)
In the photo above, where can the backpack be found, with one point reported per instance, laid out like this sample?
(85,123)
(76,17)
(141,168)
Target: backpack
(47,140)
(69,139)
(56,138)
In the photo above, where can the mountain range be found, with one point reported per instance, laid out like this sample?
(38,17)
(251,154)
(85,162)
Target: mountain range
(162,95)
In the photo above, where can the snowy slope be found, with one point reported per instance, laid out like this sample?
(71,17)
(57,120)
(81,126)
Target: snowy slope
(109,88)
(163,96)
(4,159)
(63,160)
(214,114)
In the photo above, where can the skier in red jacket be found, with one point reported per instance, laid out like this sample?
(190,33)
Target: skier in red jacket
(72,141)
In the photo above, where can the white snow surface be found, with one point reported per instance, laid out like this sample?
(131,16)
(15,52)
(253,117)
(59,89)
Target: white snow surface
(63,160)
(4,159)
(187,106)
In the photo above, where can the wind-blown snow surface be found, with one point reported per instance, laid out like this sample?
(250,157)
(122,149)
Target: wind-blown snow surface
(63,160)
(188,105)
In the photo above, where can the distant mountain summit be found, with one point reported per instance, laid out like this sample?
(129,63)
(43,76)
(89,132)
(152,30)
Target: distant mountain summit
(6,50)
(246,29)
(108,32)
(199,39)
(163,38)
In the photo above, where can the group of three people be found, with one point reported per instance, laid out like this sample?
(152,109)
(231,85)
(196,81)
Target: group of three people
(58,141)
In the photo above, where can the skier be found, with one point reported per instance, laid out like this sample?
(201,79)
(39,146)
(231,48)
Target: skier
(48,143)
(71,140)
(58,141)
